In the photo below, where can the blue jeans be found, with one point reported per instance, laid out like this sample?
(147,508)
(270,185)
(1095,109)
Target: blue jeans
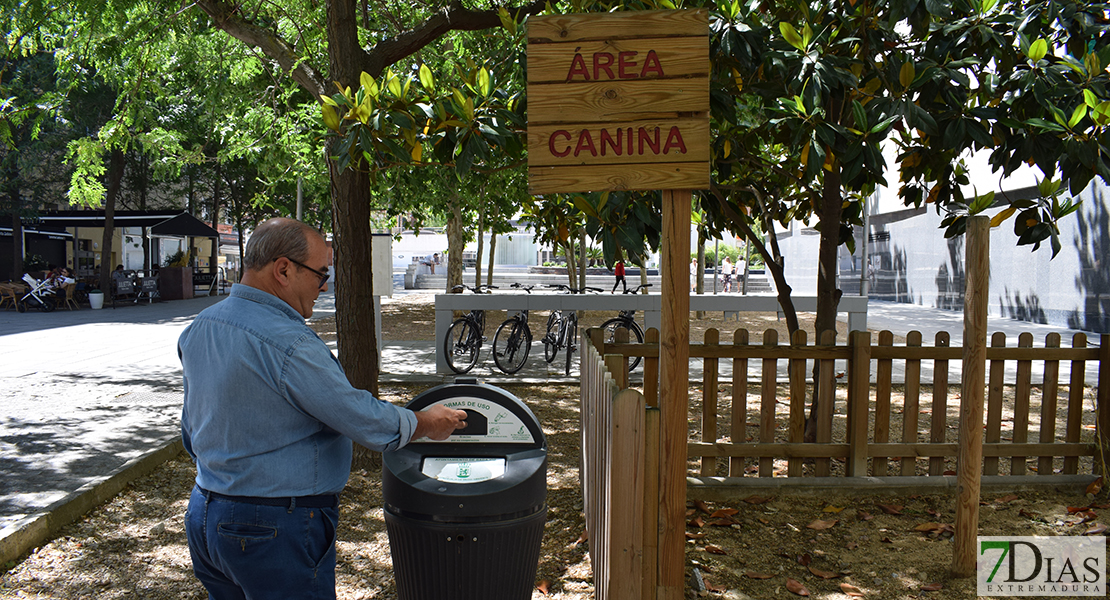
(249,551)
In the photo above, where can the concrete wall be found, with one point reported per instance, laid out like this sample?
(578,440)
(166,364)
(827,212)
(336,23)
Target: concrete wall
(914,263)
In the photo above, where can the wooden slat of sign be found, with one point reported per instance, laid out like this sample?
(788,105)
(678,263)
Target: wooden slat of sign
(611,101)
(596,26)
(655,176)
(614,59)
(650,140)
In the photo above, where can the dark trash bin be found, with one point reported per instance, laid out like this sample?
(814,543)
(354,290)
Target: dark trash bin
(465,516)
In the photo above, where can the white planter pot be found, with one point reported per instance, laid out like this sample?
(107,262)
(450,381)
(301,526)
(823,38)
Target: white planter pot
(96,300)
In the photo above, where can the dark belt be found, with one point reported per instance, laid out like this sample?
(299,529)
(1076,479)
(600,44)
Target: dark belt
(323,501)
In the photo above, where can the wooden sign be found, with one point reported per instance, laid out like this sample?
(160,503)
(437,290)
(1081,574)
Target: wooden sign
(618,101)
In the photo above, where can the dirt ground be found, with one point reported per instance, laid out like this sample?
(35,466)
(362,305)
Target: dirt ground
(896,547)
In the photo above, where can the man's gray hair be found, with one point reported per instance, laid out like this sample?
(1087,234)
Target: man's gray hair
(277,238)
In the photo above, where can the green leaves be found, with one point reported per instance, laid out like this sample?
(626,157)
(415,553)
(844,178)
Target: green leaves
(1038,50)
(792,37)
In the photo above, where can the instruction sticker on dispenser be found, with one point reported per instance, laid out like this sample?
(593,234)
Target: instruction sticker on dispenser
(463,470)
(487,423)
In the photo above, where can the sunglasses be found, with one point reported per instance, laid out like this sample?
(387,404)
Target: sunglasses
(323,275)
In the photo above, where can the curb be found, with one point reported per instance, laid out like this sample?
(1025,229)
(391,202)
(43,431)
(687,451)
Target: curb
(17,539)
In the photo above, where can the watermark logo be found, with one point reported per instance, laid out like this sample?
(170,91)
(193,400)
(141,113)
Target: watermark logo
(1041,566)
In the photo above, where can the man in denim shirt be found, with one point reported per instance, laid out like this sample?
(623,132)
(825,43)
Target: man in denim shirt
(268,418)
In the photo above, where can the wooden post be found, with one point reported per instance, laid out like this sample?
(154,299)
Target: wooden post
(674,392)
(969,462)
(859,393)
(1102,426)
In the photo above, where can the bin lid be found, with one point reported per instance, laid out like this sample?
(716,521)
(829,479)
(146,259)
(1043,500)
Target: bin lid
(494,416)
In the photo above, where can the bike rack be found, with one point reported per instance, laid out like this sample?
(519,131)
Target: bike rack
(648,304)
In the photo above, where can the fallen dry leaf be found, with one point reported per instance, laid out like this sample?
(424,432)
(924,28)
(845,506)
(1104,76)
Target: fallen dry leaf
(928,527)
(851,590)
(543,586)
(1095,487)
(724,512)
(1027,514)
(820,525)
(696,522)
(702,506)
(831,509)
(932,587)
(710,586)
(891,509)
(805,559)
(796,587)
(725,522)
(1075,509)
(1096,529)
(755,575)
(864,516)
(581,539)
(823,574)
(710,548)
(695,536)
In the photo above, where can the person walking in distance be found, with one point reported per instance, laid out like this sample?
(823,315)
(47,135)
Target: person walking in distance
(269,418)
(618,271)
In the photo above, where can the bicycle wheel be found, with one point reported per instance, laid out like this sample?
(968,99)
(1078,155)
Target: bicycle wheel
(571,338)
(635,336)
(551,338)
(461,346)
(511,344)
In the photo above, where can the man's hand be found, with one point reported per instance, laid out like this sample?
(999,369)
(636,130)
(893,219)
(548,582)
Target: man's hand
(438,422)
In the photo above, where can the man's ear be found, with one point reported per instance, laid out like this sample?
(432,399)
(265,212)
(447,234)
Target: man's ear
(281,271)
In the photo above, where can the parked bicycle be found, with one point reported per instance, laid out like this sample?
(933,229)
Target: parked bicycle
(562,329)
(464,338)
(513,340)
(626,320)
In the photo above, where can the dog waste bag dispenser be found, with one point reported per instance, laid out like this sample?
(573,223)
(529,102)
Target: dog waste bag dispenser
(465,516)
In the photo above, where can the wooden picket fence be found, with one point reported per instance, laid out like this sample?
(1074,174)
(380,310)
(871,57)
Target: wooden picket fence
(620,425)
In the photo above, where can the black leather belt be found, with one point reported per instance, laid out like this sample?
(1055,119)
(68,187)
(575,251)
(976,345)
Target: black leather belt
(323,501)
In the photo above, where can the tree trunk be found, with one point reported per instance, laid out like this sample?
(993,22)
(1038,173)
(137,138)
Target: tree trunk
(16,205)
(568,252)
(828,294)
(481,248)
(455,244)
(350,196)
(492,247)
(700,279)
(115,180)
(582,258)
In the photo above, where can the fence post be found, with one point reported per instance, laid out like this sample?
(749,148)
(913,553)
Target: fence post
(969,461)
(859,392)
(674,392)
(1102,430)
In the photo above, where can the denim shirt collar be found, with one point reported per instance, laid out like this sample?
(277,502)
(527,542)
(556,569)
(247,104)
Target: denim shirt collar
(246,292)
